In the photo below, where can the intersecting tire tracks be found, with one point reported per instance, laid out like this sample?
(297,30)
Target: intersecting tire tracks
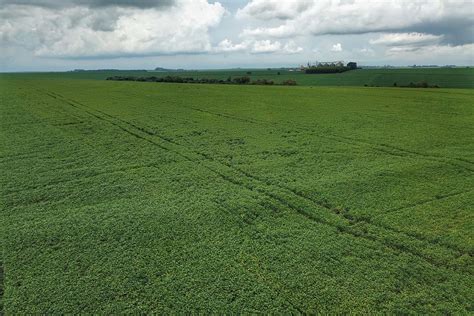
(349,225)
(386,149)
(28,189)
(349,141)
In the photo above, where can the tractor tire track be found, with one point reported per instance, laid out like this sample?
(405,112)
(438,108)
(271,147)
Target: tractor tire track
(340,227)
(353,220)
(348,217)
(389,149)
(383,148)
(426,201)
(186,158)
(54,183)
(20,156)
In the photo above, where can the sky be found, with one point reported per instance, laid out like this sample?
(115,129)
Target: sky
(55,35)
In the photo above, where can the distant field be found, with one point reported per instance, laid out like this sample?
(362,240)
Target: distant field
(443,77)
(129,197)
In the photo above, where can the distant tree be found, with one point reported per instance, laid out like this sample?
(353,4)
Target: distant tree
(289,82)
(278,73)
(178,79)
(249,72)
(352,65)
(263,82)
(242,80)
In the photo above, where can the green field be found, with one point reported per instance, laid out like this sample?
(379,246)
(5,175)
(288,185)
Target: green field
(443,77)
(130,197)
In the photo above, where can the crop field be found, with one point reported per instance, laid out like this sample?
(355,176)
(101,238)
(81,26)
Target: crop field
(443,77)
(132,197)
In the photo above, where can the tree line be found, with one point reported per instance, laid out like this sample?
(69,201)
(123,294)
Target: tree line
(326,69)
(177,79)
(421,84)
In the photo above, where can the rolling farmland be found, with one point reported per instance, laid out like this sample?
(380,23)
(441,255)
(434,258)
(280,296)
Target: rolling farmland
(443,77)
(121,197)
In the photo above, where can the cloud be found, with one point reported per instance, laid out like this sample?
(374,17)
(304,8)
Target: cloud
(89,3)
(398,39)
(282,31)
(265,46)
(432,52)
(274,9)
(84,32)
(415,45)
(451,18)
(292,48)
(226,46)
(369,52)
(336,48)
(258,47)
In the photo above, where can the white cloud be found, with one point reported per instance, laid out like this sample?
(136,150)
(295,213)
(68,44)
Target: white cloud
(292,48)
(365,51)
(398,39)
(228,46)
(274,9)
(282,31)
(80,31)
(319,17)
(258,47)
(336,48)
(265,46)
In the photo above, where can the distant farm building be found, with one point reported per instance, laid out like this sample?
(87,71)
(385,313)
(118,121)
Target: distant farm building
(328,67)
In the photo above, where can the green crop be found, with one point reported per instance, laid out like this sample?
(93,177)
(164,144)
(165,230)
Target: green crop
(129,197)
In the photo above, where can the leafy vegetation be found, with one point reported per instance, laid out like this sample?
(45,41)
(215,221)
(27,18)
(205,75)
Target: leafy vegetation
(125,197)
